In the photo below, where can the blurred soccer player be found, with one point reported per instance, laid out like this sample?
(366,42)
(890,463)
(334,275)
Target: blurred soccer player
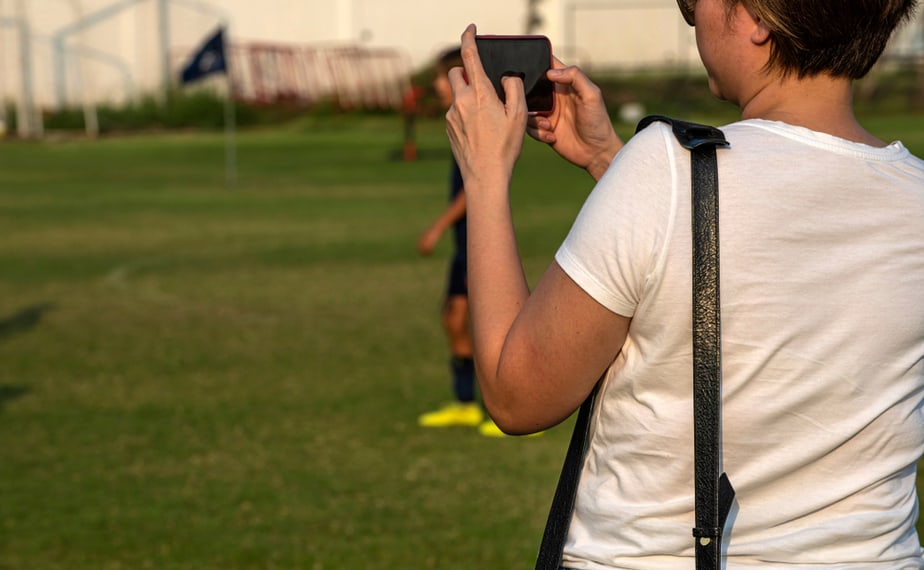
(465,410)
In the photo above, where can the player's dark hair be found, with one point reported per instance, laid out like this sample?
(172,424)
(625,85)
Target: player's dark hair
(449,59)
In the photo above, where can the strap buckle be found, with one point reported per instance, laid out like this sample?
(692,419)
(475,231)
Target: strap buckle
(690,135)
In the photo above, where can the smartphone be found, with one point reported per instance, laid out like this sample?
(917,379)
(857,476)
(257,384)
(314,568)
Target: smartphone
(526,57)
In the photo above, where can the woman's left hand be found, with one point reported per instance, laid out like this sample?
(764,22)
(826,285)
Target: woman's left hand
(486,134)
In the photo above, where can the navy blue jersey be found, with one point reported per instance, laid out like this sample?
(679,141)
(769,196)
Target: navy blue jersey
(458,229)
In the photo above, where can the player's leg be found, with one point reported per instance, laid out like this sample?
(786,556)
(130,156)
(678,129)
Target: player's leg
(465,410)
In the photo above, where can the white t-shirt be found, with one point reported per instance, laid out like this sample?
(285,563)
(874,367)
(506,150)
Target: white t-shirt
(822,293)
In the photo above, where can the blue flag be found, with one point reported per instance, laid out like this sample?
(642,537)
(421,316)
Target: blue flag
(208,59)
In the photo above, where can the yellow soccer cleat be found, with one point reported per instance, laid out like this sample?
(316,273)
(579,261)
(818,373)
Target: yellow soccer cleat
(489,429)
(467,414)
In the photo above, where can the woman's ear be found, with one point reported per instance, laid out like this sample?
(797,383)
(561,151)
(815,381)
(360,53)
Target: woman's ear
(760,33)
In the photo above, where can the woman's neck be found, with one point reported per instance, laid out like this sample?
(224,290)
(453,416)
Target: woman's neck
(821,103)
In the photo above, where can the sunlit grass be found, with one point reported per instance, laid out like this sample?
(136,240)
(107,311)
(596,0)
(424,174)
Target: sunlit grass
(210,377)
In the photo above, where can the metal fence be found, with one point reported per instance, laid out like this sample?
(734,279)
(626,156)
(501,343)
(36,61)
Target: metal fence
(55,54)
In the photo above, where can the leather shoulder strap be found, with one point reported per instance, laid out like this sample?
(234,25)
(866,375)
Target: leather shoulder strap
(690,135)
(556,526)
(713,491)
(714,494)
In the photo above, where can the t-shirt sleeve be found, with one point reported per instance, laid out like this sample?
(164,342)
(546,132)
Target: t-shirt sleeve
(618,240)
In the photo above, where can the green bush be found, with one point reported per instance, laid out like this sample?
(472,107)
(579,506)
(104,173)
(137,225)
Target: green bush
(888,90)
(201,109)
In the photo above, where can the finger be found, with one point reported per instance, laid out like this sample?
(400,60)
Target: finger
(470,58)
(457,80)
(540,128)
(540,134)
(514,95)
(539,123)
(574,77)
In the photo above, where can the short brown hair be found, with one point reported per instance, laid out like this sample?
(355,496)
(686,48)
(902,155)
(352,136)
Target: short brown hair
(448,59)
(841,38)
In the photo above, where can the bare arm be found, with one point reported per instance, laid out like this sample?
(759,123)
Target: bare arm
(427,241)
(539,354)
(556,349)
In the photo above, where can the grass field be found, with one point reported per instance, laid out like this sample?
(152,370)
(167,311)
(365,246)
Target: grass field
(203,377)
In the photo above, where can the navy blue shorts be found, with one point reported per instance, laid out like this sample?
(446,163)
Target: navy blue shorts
(458,277)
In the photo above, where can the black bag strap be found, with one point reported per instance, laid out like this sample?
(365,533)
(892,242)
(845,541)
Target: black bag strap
(556,526)
(714,494)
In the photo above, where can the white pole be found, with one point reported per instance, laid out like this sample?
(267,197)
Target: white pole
(3,95)
(163,22)
(230,117)
(25,117)
(90,117)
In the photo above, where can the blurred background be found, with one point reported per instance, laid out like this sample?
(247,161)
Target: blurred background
(216,332)
(57,54)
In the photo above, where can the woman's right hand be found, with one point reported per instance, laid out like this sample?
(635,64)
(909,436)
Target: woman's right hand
(579,128)
(486,134)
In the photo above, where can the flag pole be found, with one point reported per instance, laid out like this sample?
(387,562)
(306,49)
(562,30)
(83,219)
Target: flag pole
(210,58)
(230,121)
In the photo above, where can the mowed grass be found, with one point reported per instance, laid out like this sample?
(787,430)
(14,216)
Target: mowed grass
(197,376)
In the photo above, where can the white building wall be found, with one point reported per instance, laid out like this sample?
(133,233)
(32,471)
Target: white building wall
(119,53)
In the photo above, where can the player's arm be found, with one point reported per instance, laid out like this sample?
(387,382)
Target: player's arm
(427,241)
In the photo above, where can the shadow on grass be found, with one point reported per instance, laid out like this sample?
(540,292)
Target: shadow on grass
(23,320)
(397,155)
(18,323)
(10,393)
